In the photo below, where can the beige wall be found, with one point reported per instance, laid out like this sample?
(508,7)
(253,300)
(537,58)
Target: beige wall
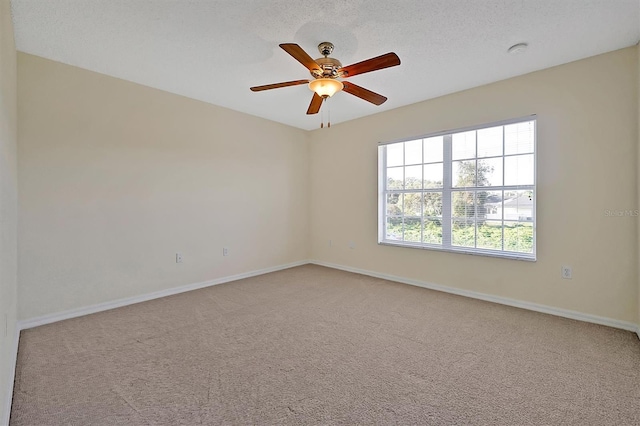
(587,143)
(115,178)
(8,206)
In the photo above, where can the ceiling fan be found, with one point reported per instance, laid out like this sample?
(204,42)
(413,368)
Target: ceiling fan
(327,71)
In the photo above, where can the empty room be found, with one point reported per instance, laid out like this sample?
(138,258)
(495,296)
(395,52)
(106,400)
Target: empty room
(337,212)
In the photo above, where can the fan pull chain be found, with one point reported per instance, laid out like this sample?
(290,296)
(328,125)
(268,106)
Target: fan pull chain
(329,114)
(321,115)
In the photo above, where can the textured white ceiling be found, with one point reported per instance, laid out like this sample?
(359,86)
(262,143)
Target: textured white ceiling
(215,50)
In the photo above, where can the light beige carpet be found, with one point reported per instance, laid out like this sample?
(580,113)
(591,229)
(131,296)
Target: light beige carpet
(312,345)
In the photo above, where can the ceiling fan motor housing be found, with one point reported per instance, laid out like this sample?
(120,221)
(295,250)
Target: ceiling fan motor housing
(330,68)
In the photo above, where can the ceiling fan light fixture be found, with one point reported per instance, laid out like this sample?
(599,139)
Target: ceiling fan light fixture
(325,87)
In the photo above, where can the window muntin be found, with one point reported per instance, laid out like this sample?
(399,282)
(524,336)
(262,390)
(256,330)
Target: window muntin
(471,190)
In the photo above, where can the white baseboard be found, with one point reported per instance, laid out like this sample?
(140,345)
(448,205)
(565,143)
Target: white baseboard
(12,375)
(495,299)
(73,313)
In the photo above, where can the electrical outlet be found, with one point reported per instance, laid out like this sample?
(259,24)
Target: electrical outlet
(352,244)
(567,272)
(178,257)
(330,243)
(225,251)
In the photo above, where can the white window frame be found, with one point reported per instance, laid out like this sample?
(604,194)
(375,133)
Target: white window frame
(447,190)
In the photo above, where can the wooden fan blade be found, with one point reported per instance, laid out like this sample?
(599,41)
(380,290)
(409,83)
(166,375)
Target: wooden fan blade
(277,85)
(363,93)
(316,103)
(373,64)
(301,56)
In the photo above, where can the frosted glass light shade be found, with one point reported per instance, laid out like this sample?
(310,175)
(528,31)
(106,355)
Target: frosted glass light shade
(326,87)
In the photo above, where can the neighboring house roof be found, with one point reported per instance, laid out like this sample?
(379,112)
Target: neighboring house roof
(523,201)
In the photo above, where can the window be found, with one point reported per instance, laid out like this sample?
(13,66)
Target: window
(470,191)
